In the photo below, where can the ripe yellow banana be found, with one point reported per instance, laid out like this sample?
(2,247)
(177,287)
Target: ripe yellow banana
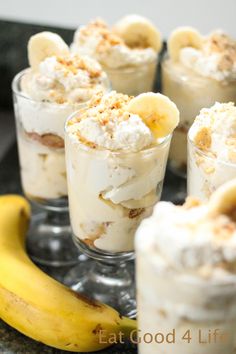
(37,305)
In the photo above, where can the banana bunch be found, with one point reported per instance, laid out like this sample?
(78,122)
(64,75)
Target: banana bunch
(37,305)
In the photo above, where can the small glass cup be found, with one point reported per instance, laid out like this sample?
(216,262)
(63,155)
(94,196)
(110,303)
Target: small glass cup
(206,172)
(183,313)
(43,175)
(110,193)
(191,92)
(133,80)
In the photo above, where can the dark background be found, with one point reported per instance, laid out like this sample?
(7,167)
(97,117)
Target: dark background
(13,58)
(13,52)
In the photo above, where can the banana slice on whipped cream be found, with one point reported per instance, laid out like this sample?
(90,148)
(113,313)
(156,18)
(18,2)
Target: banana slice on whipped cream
(43,45)
(223,200)
(138,32)
(183,37)
(157,111)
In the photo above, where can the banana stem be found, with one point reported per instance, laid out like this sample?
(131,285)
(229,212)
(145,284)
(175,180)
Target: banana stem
(127,326)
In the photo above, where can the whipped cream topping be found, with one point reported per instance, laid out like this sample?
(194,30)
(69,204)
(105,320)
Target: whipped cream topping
(216,59)
(194,241)
(214,131)
(106,123)
(98,41)
(70,79)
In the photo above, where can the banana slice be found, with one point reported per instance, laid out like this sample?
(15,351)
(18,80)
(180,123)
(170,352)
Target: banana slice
(137,31)
(183,37)
(223,200)
(157,111)
(43,45)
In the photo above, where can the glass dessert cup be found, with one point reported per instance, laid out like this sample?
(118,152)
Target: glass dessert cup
(187,322)
(110,193)
(206,172)
(133,80)
(43,175)
(191,92)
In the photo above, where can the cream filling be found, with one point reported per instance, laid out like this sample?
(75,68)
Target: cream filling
(114,194)
(44,117)
(206,65)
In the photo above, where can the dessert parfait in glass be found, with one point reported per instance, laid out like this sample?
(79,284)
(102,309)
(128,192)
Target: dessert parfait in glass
(186,276)
(212,149)
(116,153)
(197,72)
(57,84)
(128,52)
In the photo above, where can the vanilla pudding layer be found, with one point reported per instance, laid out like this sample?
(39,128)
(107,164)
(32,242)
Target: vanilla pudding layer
(41,147)
(191,92)
(132,80)
(43,170)
(110,193)
(186,278)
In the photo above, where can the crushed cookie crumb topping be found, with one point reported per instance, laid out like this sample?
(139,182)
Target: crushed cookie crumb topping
(203,139)
(214,133)
(107,123)
(75,63)
(223,45)
(107,108)
(107,37)
(191,202)
(66,79)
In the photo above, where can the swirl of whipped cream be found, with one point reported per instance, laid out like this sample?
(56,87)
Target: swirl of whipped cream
(98,41)
(214,131)
(194,242)
(216,59)
(107,124)
(67,79)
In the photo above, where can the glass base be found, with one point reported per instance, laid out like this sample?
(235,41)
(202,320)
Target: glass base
(112,284)
(49,240)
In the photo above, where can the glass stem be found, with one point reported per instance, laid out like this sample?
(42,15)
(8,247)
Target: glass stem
(57,218)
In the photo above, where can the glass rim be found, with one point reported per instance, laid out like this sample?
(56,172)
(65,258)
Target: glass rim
(205,155)
(15,82)
(129,69)
(166,60)
(101,150)
(16,90)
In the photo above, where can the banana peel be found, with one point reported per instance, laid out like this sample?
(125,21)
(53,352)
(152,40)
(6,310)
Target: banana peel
(39,306)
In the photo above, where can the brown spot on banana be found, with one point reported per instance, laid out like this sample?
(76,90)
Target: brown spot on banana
(90,302)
